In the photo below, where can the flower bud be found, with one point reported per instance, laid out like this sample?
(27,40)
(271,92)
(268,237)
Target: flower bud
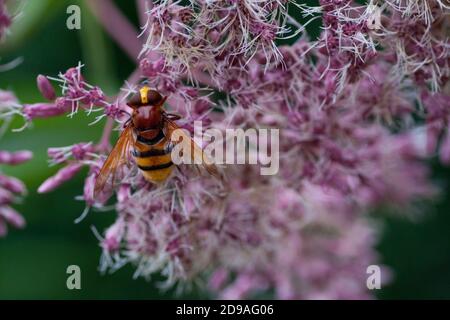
(42,110)
(45,87)
(63,175)
(88,191)
(12,184)
(15,157)
(12,216)
(6,197)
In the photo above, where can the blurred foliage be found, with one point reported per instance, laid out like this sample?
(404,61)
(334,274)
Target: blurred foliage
(33,261)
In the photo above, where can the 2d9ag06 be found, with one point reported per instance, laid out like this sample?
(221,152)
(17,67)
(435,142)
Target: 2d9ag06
(246,309)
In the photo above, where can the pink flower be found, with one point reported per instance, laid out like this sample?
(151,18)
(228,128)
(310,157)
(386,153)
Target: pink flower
(60,177)
(10,189)
(346,107)
(45,87)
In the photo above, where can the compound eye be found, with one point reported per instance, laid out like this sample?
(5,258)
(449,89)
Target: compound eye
(154,98)
(145,97)
(135,101)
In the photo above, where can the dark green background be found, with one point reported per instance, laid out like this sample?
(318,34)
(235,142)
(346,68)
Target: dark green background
(33,261)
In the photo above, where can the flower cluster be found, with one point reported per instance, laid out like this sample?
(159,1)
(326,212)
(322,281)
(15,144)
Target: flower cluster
(10,188)
(212,35)
(417,32)
(76,94)
(347,106)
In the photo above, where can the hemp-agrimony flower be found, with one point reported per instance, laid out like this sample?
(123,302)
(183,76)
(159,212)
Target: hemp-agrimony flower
(358,110)
(11,189)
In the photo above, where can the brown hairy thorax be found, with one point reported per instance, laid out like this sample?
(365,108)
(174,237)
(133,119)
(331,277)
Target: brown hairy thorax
(146,104)
(147,117)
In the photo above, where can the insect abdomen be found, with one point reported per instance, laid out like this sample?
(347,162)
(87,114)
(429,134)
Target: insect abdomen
(153,159)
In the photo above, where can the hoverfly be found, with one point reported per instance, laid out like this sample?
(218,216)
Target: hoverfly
(147,134)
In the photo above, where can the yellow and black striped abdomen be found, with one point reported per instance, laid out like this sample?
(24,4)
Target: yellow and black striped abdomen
(153,158)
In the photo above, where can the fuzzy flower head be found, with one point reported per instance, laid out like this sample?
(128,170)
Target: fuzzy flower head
(417,31)
(346,107)
(212,35)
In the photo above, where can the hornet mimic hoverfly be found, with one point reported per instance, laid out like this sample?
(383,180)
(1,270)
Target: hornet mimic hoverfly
(147,134)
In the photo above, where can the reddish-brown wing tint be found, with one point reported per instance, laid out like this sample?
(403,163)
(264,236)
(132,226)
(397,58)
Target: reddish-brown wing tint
(117,157)
(196,151)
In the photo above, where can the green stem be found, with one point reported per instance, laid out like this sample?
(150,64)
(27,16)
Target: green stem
(96,52)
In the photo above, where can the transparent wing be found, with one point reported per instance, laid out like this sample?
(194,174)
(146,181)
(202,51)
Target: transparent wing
(117,157)
(196,151)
